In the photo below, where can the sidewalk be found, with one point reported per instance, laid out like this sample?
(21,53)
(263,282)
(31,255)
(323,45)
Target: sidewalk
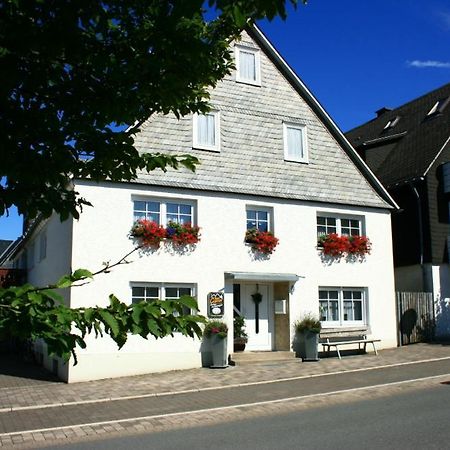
(29,392)
(35,404)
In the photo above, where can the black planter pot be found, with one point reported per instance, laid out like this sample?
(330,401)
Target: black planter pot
(308,346)
(239,345)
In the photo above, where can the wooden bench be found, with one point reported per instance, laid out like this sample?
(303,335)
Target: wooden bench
(337,341)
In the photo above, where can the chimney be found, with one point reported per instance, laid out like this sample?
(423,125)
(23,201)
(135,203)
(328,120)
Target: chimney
(383,110)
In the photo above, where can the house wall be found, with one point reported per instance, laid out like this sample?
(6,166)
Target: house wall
(101,235)
(43,270)
(439,213)
(409,279)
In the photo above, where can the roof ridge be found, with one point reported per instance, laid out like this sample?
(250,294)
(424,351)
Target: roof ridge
(393,110)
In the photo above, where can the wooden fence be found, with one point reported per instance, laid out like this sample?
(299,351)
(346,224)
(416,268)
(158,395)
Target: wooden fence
(415,317)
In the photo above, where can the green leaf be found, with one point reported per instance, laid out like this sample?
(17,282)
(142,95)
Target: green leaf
(81,274)
(64,282)
(189,302)
(109,321)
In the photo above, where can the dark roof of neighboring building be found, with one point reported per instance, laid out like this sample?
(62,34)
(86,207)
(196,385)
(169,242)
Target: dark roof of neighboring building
(4,244)
(407,149)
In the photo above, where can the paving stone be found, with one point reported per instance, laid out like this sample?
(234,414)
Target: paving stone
(33,394)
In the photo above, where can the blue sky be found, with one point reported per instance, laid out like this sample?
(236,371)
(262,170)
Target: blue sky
(356,56)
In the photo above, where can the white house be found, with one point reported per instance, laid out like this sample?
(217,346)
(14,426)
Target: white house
(271,158)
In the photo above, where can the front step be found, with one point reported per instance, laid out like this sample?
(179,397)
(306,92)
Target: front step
(246,358)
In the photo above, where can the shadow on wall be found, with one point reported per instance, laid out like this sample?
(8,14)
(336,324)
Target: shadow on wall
(408,322)
(416,329)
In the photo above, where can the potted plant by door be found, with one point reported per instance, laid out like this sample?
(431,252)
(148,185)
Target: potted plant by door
(306,341)
(239,334)
(217,332)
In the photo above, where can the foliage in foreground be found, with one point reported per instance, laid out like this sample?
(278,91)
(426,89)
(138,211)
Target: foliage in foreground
(27,312)
(80,77)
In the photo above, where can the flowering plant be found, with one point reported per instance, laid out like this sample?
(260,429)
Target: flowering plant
(150,233)
(182,234)
(359,245)
(261,241)
(216,328)
(337,246)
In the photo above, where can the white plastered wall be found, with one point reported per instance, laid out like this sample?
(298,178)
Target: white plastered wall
(101,235)
(48,270)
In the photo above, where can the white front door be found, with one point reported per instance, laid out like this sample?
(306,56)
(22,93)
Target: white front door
(258,318)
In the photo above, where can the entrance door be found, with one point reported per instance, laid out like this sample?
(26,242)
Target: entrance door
(258,318)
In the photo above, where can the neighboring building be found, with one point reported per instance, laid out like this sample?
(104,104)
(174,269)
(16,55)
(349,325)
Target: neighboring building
(4,247)
(271,158)
(8,275)
(408,148)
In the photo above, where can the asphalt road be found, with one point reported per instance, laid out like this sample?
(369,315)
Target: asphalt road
(38,418)
(417,419)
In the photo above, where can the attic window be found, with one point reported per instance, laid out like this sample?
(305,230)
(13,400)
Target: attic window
(248,65)
(391,123)
(438,106)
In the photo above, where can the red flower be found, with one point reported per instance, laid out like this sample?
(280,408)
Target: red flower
(152,234)
(337,246)
(359,245)
(261,241)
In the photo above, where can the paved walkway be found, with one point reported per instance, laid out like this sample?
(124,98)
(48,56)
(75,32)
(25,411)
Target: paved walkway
(25,403)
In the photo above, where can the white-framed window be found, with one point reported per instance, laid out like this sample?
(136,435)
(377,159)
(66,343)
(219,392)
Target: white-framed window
(259,218)
(342,307)
(206,131)
(164,211)
(349,226)
(154,291)
(295,142)
(43,246)
(248,66)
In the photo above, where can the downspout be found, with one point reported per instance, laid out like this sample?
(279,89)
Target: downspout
(420,224)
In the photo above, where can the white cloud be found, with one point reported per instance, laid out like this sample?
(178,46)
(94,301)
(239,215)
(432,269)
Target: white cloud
(435,64)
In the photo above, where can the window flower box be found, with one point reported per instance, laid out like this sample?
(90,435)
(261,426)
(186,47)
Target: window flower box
(261,241)
(182,234)
(150,234)
(338,246)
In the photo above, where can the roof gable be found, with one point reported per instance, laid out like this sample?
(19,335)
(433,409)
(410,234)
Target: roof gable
(251,159)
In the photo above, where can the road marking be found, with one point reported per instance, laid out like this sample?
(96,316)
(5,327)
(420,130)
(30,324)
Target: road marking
(222,408)
(214,388)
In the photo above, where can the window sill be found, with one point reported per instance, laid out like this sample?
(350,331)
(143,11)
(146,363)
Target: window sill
(297,160)
(249,82)
(207,149)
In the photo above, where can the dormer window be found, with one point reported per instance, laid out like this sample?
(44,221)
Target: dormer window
(391,123)
(439,106)
(247,65)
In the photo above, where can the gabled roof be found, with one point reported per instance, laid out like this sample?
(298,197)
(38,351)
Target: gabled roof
(315,105)
(406,150)
(253,162)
